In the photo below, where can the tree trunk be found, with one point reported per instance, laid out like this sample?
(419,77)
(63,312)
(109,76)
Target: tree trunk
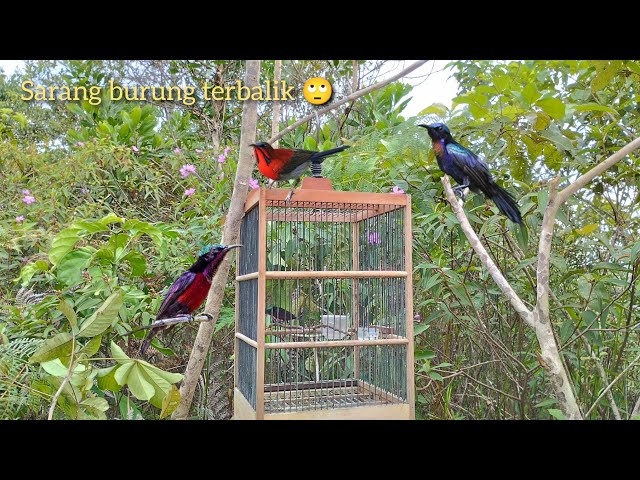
(230,235)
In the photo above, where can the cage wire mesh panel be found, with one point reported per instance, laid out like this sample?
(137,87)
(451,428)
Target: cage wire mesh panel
(247,307)
(333,237)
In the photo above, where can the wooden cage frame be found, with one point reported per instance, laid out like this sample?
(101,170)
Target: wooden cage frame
(315,190)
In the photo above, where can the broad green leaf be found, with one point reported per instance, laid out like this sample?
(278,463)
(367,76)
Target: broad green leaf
(167,376)
(137,261)
(103,317)
(530,93)
(605,73)
(420,328)
(62,244)
(436,376)
(594,107)
(92,227)
(107,380)
(138,385)
(97,403)
(55,347)
(552,106)
(92,346)
(118,353)
(436,108)
(110,218)
(67,311)
(55,367)
(170,402)
(121,375)
(555,413)
(542,121)
(587,229)
(42,265)
(424,354)
(72,264)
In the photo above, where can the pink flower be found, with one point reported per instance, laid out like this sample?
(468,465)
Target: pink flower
(26,192)
(226,151)
(187,169)
(374,238)
(29,199)
(397,190)
(84,190)
(177,150)
(221,158)
(253,184)
(20,218)
(198,150)
(79,144)
(417,317)
(135,149)
(190,191)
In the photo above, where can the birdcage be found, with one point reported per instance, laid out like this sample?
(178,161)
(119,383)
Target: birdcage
(324,314)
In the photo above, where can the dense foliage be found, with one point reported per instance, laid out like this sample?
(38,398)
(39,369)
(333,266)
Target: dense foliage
(104,205)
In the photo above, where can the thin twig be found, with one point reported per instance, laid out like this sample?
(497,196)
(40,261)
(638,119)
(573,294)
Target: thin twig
(347,99)
(604,392)
(67,377)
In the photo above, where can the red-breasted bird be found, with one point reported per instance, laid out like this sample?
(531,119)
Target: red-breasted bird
(469,171)
(190,289)
(289,163)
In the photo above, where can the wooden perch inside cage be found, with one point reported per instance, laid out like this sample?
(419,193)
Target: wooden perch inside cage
(336,267)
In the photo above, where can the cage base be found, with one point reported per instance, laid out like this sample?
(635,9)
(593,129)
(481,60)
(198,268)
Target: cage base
(339,399)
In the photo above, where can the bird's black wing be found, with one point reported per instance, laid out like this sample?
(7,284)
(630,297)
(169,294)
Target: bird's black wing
(177,289)
(472,166)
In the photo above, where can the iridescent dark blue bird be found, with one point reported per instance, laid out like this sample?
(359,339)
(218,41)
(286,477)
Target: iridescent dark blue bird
(190,289)
(469,171)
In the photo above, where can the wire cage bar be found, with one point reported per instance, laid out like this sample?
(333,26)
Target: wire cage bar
(324,316)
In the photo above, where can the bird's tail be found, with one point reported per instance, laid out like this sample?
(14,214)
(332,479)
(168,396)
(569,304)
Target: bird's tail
(147,341)
(506,204)
(319,157)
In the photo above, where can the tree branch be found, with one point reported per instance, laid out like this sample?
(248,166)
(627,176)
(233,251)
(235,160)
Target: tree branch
(230,235)
(347,99)
(482,253)
(604,392)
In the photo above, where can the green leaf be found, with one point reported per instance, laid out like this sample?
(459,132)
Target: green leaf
(138,385)
(554,412)
(121,375)
(109,219)
(594,107)
(92,346)
(530,93)
(103,317)
(436,376)
(552,106)
(170,402)
(587,229)
(72,264)
(436,108)
(166,376)
(55,367)
(420,328)
(106,379)
(68,312)
(42,265)
(605,73)
(137,262)
(55,347)
(118,353)
(96,403)
(424,355)
(62,244)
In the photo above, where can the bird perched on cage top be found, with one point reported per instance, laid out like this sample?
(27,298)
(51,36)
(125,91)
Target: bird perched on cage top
(289,163)
(188,292)
(469,171)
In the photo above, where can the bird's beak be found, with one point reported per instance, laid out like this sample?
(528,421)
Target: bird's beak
(252,145)
(229,247)
(428,127)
